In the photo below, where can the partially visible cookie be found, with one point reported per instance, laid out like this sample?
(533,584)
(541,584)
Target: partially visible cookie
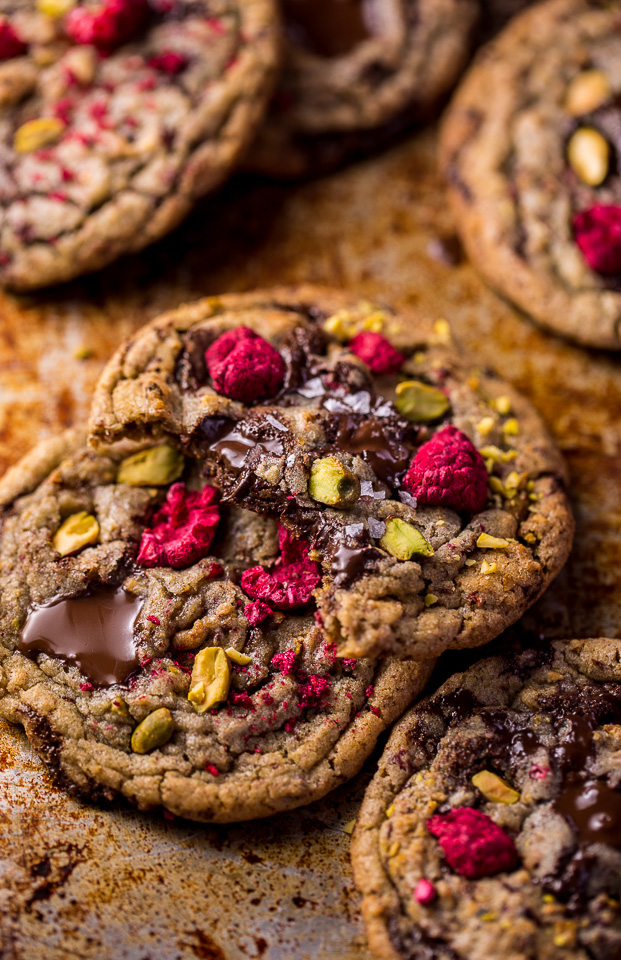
(429,491)
(116,118)
(356,72)
(529,150)
(493,825)
(138,666)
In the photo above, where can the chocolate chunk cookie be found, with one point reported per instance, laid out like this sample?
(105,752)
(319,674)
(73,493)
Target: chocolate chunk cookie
(116,118)
(355,73)
(493,825)
(429,493)
(138,666)
(530,151)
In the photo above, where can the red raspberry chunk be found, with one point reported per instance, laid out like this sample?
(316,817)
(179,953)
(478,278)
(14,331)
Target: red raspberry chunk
(244,366)
(474,846)
(377,352)
(182,530)
(292,549)
(256,612)
(10,44)
(107,25)
(287,588)
(169,62)
(598,234)
(448,471)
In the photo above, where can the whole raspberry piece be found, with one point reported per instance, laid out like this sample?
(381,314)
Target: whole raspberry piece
(244,366)
(287,588)
(377,352)
(474,846)
(182,530)
(597,232)
(108,25)
(169,62)
(10,44)
(448,471)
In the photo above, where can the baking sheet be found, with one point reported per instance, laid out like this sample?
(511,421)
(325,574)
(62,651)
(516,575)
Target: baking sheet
(82,882)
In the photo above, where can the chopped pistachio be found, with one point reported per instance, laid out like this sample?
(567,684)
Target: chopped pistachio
(349,826)
(240,658)
(430,599)
(494,787)
(77,531)
(486,425)
(332,483)
(496,485)
(210,680)
(470,562)
(502,404)
(586,92)
(441,332)
(419,402)
(488,917)
(530,538)
(488,568)
(154,731)
(511,427)
(35,134)
(496,455)
(589,156)
(394,848)
(487,542)
(154,467)
(390,810)
(54,8)
(402,540)
(83,353)
(119,708)
(565,933)
(513,482)
(345,324)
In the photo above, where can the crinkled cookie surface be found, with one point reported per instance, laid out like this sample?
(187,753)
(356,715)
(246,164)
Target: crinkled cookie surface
(429,492)
(116,118)
(493,825)
(187,697)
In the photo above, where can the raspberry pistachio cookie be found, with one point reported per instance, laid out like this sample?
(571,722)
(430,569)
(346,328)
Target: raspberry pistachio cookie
(493,825)
(137,664)
(116,117)
(529,149)
(355,73)
(429,494)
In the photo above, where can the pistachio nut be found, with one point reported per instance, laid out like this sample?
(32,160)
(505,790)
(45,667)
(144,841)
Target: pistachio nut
(35,134)
(153,731)
(242,659)
(487,542)
(420,403)
(54,8)
(332,483)
(77,531)
(589,156)
(154,467)
(494,787)
(402,540)
(210,680)
(586,92)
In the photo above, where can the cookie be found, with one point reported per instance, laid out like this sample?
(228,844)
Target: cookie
(529,150)
(429,492)
(493,824)
(116,118)
(355,73)
(153,676)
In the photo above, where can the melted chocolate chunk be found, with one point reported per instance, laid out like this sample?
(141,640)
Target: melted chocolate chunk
(594,811)
(512,731)
(234,441)
(94,631)
(329,28)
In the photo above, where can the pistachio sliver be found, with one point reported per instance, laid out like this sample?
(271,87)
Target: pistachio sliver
(419,402)
(210,680)
(402,540)
(79,530)
(494,787)
(242,659)
(487,542)
(332,483)
(154,467)
(153,731)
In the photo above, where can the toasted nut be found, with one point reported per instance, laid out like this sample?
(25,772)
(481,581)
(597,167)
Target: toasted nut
(496,455)
(345,324)
(35,134)
(502,404)
(332,483)
(589,156)
(77,531)
(485,426)
(349,826)
(54,8)
(119,708)
(488,568)
(511,427)
(210,680)
(420,403)
(154,731)
(586,92)
(154,467)
(430,599)
(402,540)
(486,542)
(241,658)
(565,933)
(494,787)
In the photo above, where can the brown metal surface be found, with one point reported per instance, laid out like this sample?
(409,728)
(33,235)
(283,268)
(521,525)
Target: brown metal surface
(76,881)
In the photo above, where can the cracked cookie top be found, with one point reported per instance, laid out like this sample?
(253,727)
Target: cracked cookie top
(530,151)
(116,117)
(138,665)
(493,825)
(428,493)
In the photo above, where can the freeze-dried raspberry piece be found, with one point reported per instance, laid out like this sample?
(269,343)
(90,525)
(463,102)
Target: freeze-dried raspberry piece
(377,352)
(256,612)
(448,471)
(169,62)
(312,690)
(292,550)
(10,44)
(284,662)
(287,588)
(244,366)
(107,25)
(597,232)
(474,846)
(182,530)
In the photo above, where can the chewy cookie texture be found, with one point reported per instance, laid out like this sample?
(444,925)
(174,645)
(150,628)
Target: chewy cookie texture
(139,666)
(425,498)
(116,118)
(493,825)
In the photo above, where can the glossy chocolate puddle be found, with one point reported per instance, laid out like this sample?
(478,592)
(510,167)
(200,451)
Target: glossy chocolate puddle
(95,631)
(329,28)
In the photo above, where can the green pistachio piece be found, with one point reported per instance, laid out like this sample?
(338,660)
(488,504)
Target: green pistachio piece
(402,540)
(332,483)
(77,531)
(153,731)
(210,680)
(419,402)
(154,467)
